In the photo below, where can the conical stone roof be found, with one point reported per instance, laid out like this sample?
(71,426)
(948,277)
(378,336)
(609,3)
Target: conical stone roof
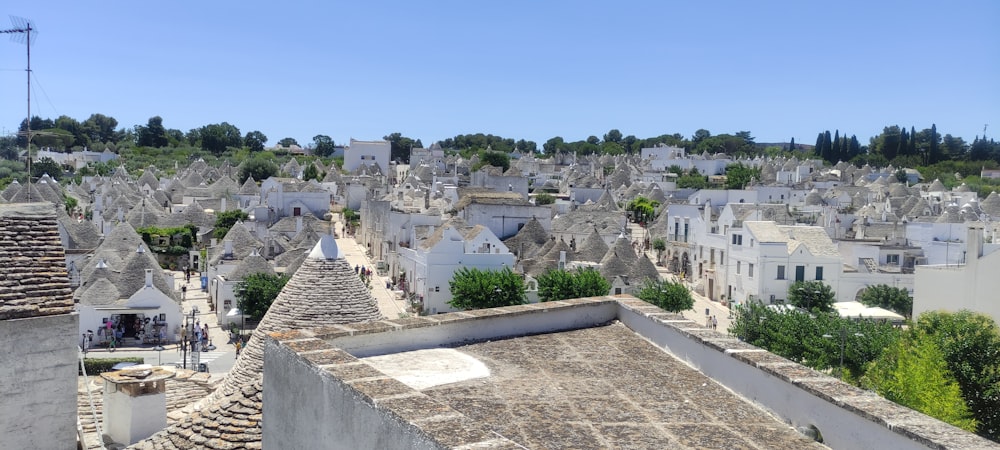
(624,250)
(532,236)
(592,248)
(613,265)
(643,270)
(325,291)
(250,265)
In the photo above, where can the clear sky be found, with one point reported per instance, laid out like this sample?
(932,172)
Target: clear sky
(518,69)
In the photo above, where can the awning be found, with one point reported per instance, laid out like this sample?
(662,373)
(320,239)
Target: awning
(233,312)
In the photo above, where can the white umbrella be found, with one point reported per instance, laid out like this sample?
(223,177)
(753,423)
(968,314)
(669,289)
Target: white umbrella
(233,312)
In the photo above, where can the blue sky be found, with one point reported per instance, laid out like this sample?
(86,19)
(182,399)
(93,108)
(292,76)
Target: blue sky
(518,69)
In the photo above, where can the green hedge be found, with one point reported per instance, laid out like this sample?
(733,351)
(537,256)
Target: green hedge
(97,366)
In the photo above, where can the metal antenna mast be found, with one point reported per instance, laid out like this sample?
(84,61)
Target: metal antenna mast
(22,32)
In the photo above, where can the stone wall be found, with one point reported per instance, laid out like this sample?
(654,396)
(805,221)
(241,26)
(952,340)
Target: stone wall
(38,372)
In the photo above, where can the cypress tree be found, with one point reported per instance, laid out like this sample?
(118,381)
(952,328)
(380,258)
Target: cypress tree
(835,153)
(791,146)
(903,146)
(934,150)
(913,141)
(827,146)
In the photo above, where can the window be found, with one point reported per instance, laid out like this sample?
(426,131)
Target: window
(686,232)
(750,270)
(781,272)
(737,239)
(819,273)
(437,288)
(800,273)
(738,263)
(892,260)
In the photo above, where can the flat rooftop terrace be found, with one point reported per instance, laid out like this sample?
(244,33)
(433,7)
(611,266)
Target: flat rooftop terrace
(607,372)
(601,387)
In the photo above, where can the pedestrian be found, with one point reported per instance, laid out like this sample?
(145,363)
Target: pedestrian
(356,267)
(715,323)
(184,291)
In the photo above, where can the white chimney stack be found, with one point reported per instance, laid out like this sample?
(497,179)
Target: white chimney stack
(227,248)
(298,224)
(149,278)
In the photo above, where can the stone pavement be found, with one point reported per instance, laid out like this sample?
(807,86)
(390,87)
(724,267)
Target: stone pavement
(388,304)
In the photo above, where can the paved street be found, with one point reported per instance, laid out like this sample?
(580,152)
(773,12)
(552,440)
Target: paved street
(388,304)
(701,303)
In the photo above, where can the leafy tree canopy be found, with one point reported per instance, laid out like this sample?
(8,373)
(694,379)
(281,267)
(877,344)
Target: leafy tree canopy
(287,142)
(544,199)
(912,372)
(739,176)
(970,343)
(225,220)
(813,296)
(259,168)
(256,293)
(670,296)
(888,297)
(472,288)
(216,138)
(254,141)
(496,159)
(323,145)
(557,284)
(400,146)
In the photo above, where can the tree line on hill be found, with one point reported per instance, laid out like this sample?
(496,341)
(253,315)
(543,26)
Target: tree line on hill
(928,150)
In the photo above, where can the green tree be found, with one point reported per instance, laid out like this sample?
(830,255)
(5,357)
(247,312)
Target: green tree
(258,167)
(913,373)
(46,166)
(311,173)
(225,220)
(642,209)
(892,298)
(799,336)
(496,159)
(552,145)
(739,176)
(971,345)
(544,199)
(613,136)
(472,288)
(254,141)
(100,128)
(256,293)
(557,284)
(153,134)
(670,296)
(287,142)
(399,147)
(692,181)
(813,296)
(323,145)
(216,138)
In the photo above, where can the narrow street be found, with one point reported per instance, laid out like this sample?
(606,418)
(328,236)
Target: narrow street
(388,304)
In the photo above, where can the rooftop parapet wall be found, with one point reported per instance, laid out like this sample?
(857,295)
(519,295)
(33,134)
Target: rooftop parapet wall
(848,417)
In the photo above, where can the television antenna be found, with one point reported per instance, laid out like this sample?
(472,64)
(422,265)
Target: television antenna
(22,31)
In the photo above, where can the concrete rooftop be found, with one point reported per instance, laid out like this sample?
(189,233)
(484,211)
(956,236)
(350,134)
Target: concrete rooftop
(605,387)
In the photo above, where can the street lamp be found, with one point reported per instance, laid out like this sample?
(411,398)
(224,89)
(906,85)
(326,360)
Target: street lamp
(843,344)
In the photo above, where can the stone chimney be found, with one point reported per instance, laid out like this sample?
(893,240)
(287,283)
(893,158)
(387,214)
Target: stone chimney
(974,243)
(149,278)
(298,224)
(121,215)
(223,206)
(135,403)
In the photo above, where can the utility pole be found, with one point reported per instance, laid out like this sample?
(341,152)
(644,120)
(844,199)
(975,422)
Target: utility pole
(24,30)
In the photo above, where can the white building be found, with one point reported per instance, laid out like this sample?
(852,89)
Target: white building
(952,287)
(428,267)
(368,153)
